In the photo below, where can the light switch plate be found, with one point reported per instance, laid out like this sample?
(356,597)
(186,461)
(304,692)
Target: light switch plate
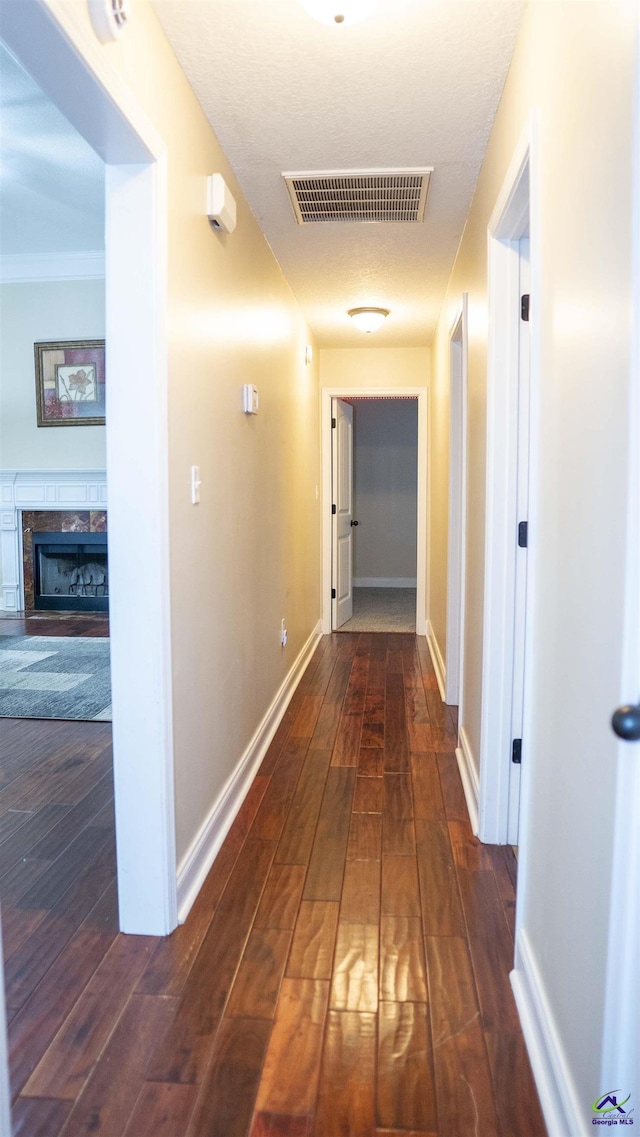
(195,485)
(250,399)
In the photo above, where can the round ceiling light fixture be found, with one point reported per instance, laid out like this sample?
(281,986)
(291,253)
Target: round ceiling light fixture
(368,319)
(339,11)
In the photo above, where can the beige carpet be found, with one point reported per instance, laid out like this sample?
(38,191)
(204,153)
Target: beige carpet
(382,610)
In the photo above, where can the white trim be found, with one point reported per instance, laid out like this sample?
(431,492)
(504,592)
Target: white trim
(559,1099)
(469,775)
(457,529)
(141,650)
(515,201)
(346,392)
(27,268)
(437,660)
(384,582)
(206,846)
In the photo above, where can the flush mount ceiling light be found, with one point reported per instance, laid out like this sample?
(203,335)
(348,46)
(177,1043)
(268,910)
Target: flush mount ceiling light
(339,11)
(368,319)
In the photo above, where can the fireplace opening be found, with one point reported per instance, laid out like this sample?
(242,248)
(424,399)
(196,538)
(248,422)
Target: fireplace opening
(70,572)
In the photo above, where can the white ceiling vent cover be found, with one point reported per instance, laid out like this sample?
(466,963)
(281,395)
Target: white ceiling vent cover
(359,195)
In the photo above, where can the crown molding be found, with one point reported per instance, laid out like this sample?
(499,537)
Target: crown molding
(26,268)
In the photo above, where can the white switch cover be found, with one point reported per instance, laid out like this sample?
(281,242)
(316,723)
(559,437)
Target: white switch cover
(250,399)
(195,485)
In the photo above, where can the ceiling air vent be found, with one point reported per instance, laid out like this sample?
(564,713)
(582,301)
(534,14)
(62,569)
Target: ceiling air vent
(359,195)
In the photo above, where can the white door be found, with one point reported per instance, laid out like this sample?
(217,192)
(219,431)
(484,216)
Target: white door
(522,514)
(342,512)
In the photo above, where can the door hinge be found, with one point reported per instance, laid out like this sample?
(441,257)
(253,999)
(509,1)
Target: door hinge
(333,593)
(516,751)
(523,535)
(334,423)
(524,306)
(334,509)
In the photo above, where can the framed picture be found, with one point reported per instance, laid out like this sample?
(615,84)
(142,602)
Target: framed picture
(70,378)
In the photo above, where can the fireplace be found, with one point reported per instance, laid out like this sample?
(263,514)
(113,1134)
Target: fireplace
(39,501)
(70,572)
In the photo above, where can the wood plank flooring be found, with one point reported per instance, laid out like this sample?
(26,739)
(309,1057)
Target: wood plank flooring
(344,970)
(55,624)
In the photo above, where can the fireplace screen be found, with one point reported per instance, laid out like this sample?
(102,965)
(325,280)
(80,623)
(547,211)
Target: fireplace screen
(71,573)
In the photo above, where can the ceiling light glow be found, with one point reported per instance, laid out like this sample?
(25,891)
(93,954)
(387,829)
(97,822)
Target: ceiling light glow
(339,11)
(368,319)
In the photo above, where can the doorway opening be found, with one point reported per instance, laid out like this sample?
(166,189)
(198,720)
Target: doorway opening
(374,540)
(374,473)
(59,53)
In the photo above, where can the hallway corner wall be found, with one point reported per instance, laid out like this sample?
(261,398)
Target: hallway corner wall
(574,68)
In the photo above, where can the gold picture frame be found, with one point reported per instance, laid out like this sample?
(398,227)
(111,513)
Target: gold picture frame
(70,383)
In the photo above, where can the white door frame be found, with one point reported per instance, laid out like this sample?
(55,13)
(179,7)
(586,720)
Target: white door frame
(347,392)
(342,520)
(515,208)
(457,535)
(55,44)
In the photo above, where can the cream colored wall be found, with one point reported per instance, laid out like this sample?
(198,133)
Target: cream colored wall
(249,554)
(374,366)
(45,311)
(573,65)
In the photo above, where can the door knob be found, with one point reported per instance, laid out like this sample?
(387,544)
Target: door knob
(626,723)
(354,522)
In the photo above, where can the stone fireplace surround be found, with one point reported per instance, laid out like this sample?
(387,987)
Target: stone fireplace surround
(43,500)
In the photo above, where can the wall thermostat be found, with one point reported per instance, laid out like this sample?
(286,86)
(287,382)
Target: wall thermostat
(221,205)
(250,399)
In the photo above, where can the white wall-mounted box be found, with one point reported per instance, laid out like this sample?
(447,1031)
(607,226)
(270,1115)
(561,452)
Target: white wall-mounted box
(221,205)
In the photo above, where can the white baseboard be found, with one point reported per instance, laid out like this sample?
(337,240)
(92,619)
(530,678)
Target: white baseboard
(469,777)
(563,1112)
(437,660)
(206,846)
(384,582)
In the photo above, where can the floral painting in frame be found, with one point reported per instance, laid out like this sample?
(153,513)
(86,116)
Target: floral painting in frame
(70,383)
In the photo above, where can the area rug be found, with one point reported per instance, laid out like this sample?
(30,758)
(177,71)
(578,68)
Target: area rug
(55,677)
(382,610)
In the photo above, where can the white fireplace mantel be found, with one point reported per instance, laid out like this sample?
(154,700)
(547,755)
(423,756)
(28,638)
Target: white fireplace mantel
(40,490)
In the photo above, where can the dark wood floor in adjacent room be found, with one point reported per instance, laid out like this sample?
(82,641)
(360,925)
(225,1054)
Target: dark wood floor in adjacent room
(343,972)
(54,624)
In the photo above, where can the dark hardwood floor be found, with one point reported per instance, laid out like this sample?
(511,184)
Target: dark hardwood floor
(344,970)
(55,624)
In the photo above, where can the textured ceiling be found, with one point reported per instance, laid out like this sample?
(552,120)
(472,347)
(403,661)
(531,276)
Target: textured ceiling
(416,84)
(51,181)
